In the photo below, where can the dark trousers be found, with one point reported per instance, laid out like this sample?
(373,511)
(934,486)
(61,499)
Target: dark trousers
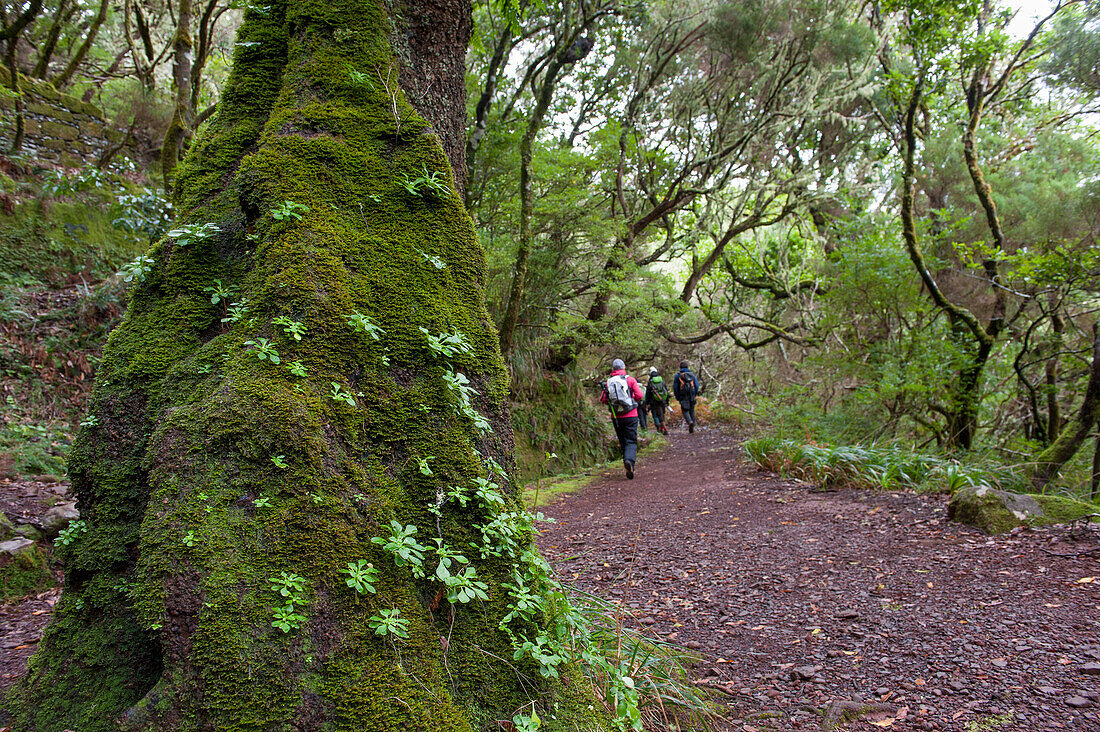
(641,417)
(657,409)
(626,429)
(688,408)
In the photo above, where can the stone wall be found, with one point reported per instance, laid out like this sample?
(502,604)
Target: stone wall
(58,128)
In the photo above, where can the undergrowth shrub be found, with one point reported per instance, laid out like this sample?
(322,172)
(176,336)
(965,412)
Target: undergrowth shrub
(886,468)
(552,414)
(651,686)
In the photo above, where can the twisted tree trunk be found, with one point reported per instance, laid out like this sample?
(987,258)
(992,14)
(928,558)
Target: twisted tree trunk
(275,493)
(1050,461)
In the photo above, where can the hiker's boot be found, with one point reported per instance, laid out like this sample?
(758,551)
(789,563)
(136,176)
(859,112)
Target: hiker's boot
(629,471)
(691,427)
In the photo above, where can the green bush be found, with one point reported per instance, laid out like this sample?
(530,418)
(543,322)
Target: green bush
(886,468)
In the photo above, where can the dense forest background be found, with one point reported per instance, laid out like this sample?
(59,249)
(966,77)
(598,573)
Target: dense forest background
(867,225)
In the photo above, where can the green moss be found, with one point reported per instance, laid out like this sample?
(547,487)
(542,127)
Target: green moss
(1060,510)
(24,572)
(190,518)
(996,512)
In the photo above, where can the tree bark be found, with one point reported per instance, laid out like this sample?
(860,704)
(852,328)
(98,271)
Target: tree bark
(1094,483)
(962,411)
(544,95)
(19,127)
(9,35)
(65,12)
(182,115)
(225,498)
(65,77)
(1050,373)
(1050,461)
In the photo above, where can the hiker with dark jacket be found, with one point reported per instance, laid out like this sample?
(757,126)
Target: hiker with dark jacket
(656,399)
(686,387)
(622,394)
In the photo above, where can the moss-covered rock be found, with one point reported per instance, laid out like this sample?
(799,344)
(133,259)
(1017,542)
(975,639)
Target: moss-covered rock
(306,381)
(23,569)
(995,511)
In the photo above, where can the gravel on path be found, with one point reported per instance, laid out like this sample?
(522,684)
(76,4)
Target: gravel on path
(807,607)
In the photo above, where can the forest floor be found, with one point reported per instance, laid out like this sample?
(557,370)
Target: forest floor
(801,602)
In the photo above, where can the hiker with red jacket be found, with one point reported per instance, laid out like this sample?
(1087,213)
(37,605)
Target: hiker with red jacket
(623,394)
(686,387)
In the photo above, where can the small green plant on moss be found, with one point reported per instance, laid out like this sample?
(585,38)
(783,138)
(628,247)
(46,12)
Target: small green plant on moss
(458,494)
(360,77)
(90,421)
(448,558)
(488,493)
(460,389)
(220,292)
(402,543)
(527,723)
(70,534)
(363,324)
(293,328)
(361,576)
(265,350)
(317,498)
(297,368)
(340,394)
(280,461)
(543,651)
(262,502)
(447,345)
(189,539)
(424,467)
(289,210)
(432,259)
(288,585)
(287,618)
(193,233)
(465,587)
(236,312)
(427,184)
(292,587)
(137,270)
(389,622)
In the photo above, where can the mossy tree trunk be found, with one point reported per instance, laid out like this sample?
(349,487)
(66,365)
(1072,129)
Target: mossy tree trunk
(9,35)
(230,473)
(65,78)
(1050,461)
(182,115)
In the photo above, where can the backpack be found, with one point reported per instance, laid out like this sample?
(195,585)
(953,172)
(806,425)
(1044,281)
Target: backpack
(618,395)
(684,390)
(660,389)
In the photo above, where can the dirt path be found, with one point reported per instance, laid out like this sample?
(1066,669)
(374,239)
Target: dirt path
(802,601)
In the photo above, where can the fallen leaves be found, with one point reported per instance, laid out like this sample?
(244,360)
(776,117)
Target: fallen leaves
(888,721)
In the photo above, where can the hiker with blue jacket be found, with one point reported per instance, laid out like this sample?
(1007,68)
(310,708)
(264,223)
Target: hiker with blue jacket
(622,394)
(656,398)
(686,387)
